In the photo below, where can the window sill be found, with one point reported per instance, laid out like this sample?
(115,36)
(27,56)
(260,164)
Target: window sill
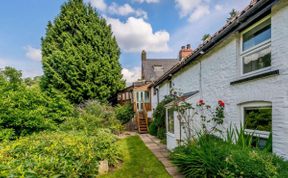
(256,76)
(258,133)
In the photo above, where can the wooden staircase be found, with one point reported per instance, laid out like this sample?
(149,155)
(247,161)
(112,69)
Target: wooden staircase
(142,122)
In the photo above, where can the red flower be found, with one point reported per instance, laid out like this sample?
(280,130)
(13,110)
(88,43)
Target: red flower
(221,103)
(201,102)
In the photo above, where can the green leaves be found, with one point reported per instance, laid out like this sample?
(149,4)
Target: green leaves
(26,109)
(80,55)
(58,154)
(124,113)
(211,157)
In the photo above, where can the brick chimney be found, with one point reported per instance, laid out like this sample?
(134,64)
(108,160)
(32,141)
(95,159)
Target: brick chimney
(143,55)
(185,52)
(143,58)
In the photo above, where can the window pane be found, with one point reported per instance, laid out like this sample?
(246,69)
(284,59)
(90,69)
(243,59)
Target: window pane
(256,61)
(170,120)
(259,118)
(147,100)
(257,35)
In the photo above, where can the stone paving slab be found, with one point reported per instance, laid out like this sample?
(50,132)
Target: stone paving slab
(160,151)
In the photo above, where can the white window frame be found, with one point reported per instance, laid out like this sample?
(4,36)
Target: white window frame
(167,121)
(256,133)
(127,95)
(257,48)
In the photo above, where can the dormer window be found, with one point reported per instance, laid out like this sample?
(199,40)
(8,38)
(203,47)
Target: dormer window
(158,68)
(256,47)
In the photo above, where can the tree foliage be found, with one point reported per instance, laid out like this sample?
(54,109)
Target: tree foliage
(124,113)
(80,55)
(158,126)
(26,109)
(206,36)
(232,15)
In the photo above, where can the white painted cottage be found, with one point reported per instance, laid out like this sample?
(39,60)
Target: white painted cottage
(244,64)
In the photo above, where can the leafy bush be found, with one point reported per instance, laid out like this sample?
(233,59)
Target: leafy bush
(93,115)
(153,129)
(159,116)
(25,109)
(210,157)
(7,134)
(58,154)
(124,113)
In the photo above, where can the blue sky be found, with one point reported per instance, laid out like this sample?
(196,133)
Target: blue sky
(160,27)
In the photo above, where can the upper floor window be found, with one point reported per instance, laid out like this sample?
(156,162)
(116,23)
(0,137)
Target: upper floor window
(255,46)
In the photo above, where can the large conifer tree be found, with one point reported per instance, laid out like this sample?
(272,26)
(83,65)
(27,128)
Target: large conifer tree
(80,55)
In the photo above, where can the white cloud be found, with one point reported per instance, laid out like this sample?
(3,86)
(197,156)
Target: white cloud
(147,1)
(187,6)
(131,75)
(194,9)
(98,4)
(115,9)
(125,10)
(135,34)
(33,53)
(219,7)
(199,12)
(29,68)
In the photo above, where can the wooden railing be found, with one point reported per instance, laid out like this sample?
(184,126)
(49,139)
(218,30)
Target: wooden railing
(137,120)
(145,115)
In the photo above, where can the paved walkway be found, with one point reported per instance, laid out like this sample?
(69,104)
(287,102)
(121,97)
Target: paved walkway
(160,151)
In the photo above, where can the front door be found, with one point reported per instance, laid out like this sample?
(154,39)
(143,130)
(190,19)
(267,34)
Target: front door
(140,100)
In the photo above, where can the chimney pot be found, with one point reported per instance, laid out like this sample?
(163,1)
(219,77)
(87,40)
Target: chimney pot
(185,51)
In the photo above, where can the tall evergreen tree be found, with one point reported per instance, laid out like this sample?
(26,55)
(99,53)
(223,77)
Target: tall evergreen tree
(80,55)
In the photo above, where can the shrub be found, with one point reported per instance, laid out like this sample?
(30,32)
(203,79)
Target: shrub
(93,115)
(159,116)
(153,129)
(25,109)
(7,134)
(210,157)
(58,154)
(124,113)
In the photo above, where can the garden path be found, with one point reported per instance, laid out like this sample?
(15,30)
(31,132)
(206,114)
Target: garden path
(161,152)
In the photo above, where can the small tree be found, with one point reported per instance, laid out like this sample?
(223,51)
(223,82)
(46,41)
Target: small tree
(80,55)
(232,15)
(206,36)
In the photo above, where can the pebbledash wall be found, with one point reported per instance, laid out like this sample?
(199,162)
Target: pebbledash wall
(213,73)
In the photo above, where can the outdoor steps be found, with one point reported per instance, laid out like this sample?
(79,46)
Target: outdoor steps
(142,126)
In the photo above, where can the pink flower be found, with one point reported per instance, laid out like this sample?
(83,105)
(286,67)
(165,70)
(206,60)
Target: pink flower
(201,102)
(221,103)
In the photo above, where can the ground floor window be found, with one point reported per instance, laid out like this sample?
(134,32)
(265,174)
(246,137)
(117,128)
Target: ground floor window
(170,120)
(258,122)
(258,118)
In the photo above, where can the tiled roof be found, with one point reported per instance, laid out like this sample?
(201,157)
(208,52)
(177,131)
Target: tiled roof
(230,27)
(149,71)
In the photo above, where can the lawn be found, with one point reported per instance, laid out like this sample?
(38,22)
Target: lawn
(138,161)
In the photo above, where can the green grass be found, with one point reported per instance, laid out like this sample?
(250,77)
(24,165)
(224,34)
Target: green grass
(138,161)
